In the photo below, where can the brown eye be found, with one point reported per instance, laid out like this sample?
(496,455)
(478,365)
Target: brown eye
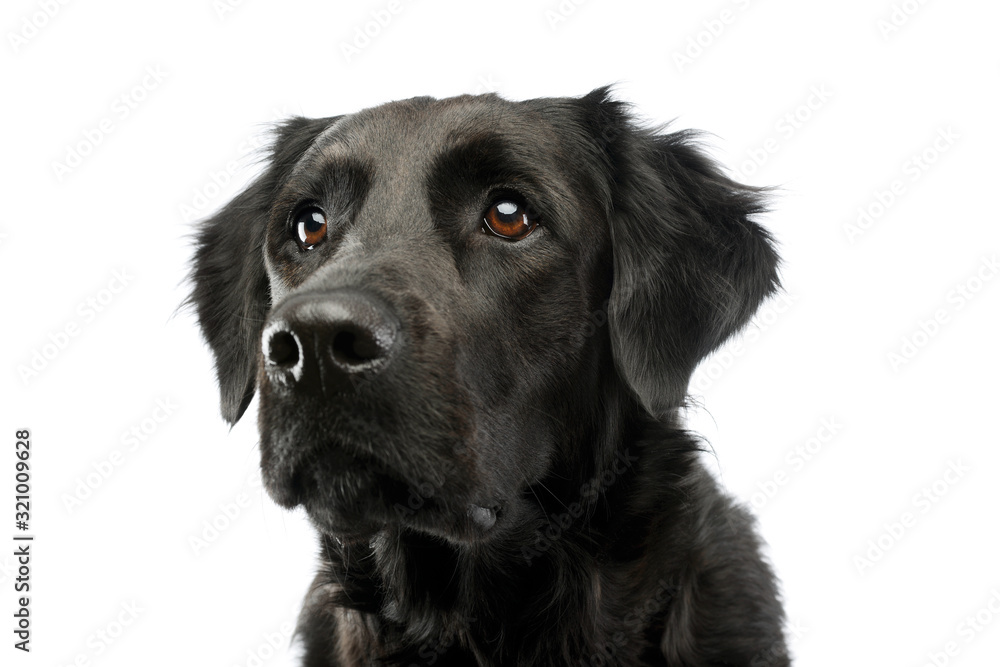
(309,227)
(509,219)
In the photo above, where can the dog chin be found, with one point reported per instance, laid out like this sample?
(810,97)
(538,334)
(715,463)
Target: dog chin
(357,501)
(458,523)
(330,521)
(475,525)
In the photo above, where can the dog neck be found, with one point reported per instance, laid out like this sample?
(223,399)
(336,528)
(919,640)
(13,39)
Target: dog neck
(412,594)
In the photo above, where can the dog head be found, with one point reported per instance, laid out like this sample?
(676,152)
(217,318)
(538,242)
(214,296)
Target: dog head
(438,300)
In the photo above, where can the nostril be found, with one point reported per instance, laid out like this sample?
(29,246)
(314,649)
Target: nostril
(326,341)
(354,348)
(283,349)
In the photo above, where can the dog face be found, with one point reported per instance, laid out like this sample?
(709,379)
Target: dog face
(439,300)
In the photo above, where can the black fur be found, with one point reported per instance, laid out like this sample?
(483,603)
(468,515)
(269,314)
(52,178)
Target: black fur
(513,486)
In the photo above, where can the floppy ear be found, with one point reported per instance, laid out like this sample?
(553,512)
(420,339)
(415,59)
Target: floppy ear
(231,292)
(690,266)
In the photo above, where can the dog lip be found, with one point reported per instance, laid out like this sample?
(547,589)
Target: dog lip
(288,493)
(347,493)
(307,481)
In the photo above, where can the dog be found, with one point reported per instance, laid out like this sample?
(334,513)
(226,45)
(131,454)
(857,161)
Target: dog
(471,323)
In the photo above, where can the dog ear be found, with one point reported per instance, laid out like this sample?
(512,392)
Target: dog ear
(690,266)
(231,292)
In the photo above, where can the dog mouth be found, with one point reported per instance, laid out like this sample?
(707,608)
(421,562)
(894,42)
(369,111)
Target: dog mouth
(353,495)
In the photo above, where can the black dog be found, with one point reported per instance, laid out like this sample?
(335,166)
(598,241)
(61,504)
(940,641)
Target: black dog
(472,323)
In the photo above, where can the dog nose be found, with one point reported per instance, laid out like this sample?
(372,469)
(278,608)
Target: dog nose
(327,341)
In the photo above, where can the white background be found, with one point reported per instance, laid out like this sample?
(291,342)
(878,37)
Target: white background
(865,96)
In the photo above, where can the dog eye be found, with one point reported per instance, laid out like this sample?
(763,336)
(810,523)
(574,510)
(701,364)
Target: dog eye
(308,227)
(509,219)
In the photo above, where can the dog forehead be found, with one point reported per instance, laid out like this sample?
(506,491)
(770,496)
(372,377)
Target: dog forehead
(407,135)
(413,155)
